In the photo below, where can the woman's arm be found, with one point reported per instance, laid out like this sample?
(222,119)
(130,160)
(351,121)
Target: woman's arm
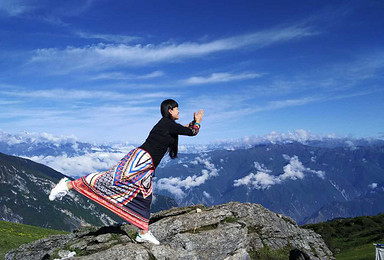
(177,129)
(190,129)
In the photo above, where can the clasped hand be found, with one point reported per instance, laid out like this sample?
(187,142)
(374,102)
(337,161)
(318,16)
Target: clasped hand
(198,116)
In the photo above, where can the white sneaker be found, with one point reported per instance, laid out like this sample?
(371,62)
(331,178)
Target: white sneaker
(147,237)
(60,190)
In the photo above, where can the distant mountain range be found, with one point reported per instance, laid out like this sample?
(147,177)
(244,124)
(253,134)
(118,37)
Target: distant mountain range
(308,177)
(72,157)
(308,183)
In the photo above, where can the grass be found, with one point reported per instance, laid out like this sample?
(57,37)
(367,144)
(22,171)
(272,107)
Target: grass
(230,219)
(352,238)
(363,252)
(13,235)
(267,253)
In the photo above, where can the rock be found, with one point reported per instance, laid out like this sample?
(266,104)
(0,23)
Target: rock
(229,231)
(40,249)
(80,245)
(103,238)
(241,254)
(65,254)
(217,243)
(84,231)
(121,252)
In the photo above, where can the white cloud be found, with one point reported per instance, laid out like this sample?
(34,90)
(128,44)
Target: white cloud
(73,94)
(350,145)
(263,179)
(9,102)
(294,170)
(260,180)
(320,174)
(97,122)
(227,107)
(299,135)
(49,11)
(286,157)
(373,185)
(108,37)
(109,55)
(206,194)
(15,7)
(80,165)
(178,186)
(75,159)
(36,138)
(219,77)
(261,167)
(123,76)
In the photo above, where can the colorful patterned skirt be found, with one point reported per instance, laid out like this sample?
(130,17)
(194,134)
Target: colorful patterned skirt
(125,189)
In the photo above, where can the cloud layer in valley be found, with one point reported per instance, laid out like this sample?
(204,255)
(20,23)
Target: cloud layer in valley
(264,179)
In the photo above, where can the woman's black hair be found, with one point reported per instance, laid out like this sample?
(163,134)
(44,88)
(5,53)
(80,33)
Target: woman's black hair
(166,105)
(164,109)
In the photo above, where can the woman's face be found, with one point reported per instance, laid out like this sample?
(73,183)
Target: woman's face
(174,113)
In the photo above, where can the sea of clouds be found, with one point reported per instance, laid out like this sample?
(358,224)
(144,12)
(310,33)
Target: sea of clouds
(75,158)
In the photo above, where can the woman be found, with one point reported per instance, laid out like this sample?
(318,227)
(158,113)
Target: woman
(126,189)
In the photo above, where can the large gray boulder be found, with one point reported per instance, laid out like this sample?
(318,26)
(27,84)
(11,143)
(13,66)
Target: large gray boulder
(229,231)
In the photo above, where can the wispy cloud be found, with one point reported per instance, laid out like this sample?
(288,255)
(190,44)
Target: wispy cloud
(124,76)
(8,102)
(67,8)
(115,38)
(228,107)
(44,10)
(15,7)
(219,77)
(73,94)
(367,66)
(109,55)
(100,123)
(248,102)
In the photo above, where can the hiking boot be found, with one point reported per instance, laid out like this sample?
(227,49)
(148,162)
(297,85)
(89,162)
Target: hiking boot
(147,237)
(60,190)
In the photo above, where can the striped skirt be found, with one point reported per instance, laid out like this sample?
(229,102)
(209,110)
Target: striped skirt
(125,189)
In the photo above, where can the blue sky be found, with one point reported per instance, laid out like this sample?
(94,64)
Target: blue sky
(98,70)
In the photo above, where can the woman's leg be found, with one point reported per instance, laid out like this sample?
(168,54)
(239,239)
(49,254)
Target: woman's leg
(69,185)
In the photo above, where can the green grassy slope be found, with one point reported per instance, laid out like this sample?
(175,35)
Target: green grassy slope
(352,238)
(13,235)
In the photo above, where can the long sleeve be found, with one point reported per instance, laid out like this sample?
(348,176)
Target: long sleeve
(177,129)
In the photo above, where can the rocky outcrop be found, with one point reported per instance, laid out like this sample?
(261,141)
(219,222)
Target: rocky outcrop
(229,231)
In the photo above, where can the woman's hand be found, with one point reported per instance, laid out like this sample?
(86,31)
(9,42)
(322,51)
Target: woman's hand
(198,116)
